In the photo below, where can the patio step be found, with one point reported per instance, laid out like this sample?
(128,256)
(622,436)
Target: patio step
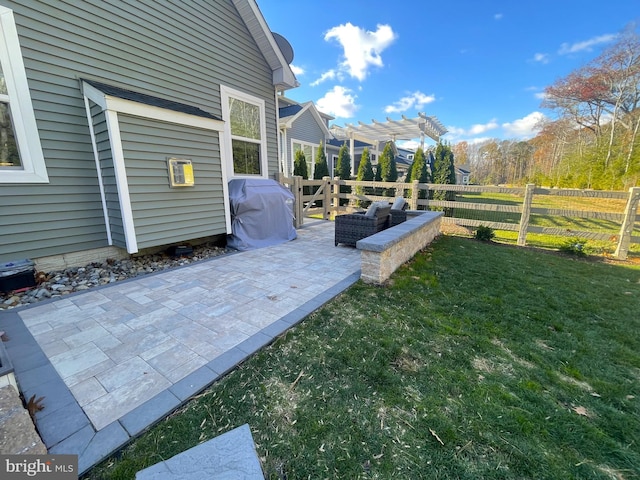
(231,455)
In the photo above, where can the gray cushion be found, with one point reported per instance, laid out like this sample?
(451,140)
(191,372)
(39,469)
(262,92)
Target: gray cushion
(371,211)
(398,204)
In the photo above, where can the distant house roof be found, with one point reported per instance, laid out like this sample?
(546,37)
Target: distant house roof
(338,143)
(126,94)
(289,111)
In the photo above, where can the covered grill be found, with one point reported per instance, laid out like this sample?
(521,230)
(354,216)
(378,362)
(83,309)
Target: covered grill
(261,213)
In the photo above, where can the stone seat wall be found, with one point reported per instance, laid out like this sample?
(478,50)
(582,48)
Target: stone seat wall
(382,253)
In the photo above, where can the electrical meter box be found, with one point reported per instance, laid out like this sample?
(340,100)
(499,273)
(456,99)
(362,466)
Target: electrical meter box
(180,172)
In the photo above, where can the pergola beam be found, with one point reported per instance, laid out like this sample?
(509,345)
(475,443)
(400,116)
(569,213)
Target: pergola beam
(405,129)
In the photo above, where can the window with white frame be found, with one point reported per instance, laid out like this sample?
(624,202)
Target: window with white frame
(21,158)
(309,150)
(246,132)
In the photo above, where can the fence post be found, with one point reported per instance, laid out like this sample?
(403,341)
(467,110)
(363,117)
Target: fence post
(415,190)
(336,194)
(627,225)
(299,206)
(326,198)
(526,213)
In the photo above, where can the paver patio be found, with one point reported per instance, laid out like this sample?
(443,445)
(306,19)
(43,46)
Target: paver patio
(114,360)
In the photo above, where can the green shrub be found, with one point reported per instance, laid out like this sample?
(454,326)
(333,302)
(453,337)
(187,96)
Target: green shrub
(574,246)
(485,234)
(343,170)
(365,174)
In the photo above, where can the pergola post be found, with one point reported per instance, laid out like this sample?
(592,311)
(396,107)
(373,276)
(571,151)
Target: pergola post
(352,154)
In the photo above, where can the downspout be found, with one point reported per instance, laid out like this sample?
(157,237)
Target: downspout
(285,156)
(278,146)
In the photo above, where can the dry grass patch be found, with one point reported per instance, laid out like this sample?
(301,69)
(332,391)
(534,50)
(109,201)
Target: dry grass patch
(383,382)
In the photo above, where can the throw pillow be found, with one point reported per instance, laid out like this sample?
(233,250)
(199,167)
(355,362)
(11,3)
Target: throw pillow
(398,204)
(371,211)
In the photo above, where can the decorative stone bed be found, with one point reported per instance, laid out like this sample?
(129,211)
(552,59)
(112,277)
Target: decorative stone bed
(382,253)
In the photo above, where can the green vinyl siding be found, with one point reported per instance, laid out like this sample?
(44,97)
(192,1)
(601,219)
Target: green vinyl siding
(107,173)
(161,214)
(181,51)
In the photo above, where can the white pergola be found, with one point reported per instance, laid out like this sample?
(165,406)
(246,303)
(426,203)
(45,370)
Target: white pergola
(376,132)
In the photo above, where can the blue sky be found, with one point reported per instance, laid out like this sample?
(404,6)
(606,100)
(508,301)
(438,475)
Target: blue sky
(479,66)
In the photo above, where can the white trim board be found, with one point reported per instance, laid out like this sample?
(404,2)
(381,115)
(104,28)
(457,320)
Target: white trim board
(112,106)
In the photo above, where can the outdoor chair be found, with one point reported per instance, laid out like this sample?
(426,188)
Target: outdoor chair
(355,226)
(398,214)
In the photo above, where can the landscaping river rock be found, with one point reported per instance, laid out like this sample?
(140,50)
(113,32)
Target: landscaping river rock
(76,279)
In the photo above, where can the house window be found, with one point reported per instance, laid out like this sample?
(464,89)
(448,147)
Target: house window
(246,132)
(309,150)
(21,159)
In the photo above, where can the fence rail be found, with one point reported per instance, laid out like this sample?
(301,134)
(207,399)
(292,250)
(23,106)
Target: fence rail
(597,215)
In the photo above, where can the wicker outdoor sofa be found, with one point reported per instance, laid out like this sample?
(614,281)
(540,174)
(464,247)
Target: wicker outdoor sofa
(352,227)
(355,226)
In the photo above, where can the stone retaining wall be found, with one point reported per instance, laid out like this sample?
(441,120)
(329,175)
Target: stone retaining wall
(18,435)
(381,254)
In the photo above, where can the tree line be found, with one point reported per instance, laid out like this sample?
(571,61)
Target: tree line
(435,165)
(593,142)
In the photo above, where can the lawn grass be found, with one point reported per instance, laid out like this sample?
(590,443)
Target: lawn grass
(477,361)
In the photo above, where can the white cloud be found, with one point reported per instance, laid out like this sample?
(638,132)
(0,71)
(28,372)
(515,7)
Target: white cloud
(479,140)
(541,58)
(297,70)
(362,48)
(408,144)
(479,128)
(456,132)
(338,102)
(525,127)
(586,45)
(415,100)
(498,16)
(328,75)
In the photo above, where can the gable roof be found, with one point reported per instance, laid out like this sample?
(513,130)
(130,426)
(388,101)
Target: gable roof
(290,113)
(283,77)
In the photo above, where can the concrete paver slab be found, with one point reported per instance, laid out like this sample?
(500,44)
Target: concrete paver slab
(231,455)
(126,354)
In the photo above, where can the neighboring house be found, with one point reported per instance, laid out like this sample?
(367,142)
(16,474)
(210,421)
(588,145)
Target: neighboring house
(333,148)
(123,122)
(302,127)
(404,162)
(463,176)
